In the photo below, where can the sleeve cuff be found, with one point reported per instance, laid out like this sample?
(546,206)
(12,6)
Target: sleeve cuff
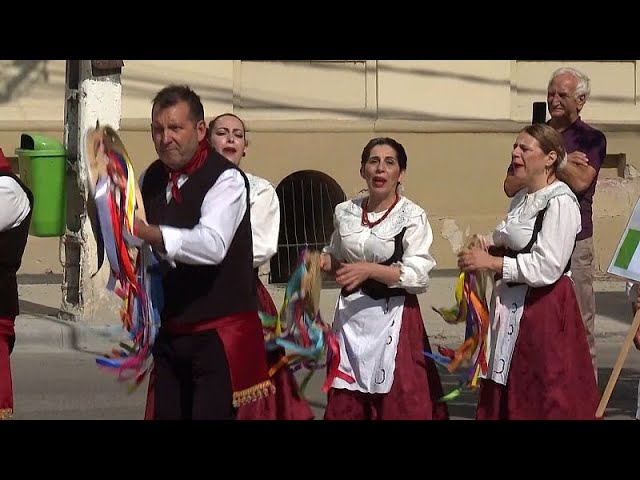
(409,279)
(509,269)
(172,241)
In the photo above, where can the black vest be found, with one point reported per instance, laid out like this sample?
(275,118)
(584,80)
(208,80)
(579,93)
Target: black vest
(193,293)
(378,290)
(12,245)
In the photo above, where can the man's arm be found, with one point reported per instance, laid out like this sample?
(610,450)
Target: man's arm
(512,184)
(207,243)
(583,165)
(576,172)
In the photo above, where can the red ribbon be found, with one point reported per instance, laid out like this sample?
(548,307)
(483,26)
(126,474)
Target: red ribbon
(334,371)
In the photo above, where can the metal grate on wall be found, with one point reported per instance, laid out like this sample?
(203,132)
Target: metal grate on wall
(307,201)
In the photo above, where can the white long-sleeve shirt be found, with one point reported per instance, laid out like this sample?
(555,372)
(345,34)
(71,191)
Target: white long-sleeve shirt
(353,242)
(14,203)
(368,329)
(265,219)
(551,252)
(221,212)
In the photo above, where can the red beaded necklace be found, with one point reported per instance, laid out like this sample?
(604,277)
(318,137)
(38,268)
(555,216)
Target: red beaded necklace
(365,213)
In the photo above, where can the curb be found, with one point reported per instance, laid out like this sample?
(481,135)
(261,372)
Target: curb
(40,332)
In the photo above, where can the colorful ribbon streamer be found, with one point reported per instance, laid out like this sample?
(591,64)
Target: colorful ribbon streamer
(472,309)
(298,326)
(134,275)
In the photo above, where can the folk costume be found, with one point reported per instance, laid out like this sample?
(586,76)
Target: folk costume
(15,218)
(380,329)
(209,319)
(286,403)
(539,362)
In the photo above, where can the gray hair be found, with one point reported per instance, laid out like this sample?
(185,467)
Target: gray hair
(583,86)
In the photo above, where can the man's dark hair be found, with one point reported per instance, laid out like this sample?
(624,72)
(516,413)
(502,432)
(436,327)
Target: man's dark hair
(172,94)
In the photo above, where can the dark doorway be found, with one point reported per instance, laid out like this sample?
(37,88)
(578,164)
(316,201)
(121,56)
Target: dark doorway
(307,201)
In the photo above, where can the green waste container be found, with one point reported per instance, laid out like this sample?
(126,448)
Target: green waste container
(42,169)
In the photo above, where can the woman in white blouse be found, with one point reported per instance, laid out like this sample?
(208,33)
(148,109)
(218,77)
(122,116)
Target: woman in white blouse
(227,135)
(539,366)
(379,254)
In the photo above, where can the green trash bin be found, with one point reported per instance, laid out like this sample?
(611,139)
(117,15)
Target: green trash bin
(42,169)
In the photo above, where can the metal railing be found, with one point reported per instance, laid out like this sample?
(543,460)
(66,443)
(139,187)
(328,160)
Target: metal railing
(307,201)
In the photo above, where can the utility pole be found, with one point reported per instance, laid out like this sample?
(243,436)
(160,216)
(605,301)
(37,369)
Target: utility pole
(93,92)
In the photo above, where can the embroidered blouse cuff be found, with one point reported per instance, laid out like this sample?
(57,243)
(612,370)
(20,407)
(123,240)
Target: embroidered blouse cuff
(509,269)
(410,280)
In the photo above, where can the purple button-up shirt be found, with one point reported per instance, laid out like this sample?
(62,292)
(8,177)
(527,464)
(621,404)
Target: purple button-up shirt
(581,137)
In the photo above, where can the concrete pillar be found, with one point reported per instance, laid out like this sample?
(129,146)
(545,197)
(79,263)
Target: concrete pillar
(93,93)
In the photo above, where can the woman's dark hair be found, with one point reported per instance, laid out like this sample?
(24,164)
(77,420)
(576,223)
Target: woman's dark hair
(171,95)
(212,122)
(397,146)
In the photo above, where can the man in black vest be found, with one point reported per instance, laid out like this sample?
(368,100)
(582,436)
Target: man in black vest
(16,203)
(209,356)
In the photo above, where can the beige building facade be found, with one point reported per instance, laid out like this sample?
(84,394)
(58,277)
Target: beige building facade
(309,120)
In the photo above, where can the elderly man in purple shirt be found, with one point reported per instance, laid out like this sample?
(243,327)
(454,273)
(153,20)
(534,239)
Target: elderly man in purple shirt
(567,93)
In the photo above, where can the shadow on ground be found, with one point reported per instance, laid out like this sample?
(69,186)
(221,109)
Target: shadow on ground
(614,305)
(31,308)
(621,405)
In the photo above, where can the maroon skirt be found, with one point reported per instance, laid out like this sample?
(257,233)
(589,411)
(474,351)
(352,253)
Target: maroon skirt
(416,388)
(286,403)
(551,375)
(7,337)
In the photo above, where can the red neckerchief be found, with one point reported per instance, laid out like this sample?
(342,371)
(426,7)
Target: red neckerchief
(5,166)
(194,164)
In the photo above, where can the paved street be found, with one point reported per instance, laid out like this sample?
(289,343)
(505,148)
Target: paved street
(56,377)
(67,385)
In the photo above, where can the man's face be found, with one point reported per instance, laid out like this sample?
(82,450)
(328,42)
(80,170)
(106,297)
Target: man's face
(175,135)
(561,98)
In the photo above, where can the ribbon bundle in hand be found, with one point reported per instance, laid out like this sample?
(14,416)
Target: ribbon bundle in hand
(133,267)
(298,326)
(470,308)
